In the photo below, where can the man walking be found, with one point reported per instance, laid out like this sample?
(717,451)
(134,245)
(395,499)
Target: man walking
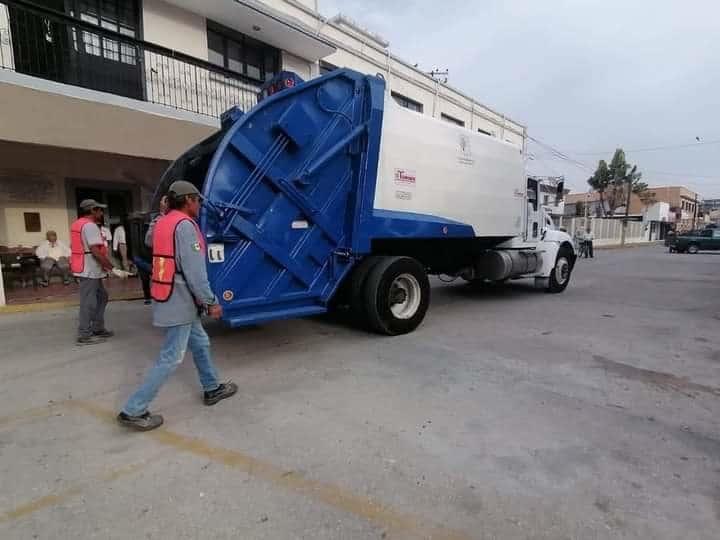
(53,254)
(90,263)
(588,243)
(180,292)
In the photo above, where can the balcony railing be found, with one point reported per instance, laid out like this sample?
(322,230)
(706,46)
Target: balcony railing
(50,45)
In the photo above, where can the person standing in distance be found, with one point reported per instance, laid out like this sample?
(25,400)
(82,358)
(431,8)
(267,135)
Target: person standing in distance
(89,263)
(180,292)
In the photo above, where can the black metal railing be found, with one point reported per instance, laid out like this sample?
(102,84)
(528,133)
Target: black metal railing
(50,45)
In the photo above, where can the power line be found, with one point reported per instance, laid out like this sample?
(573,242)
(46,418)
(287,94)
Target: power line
(651,149)
(557,154)
(562,156)
(688,175)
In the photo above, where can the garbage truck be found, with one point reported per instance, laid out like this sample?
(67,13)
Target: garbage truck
(328,193)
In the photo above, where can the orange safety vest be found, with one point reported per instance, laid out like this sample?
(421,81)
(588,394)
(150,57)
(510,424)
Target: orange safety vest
(164,266)
(77,249)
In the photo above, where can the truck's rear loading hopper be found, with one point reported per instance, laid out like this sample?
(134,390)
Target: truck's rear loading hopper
(284,196)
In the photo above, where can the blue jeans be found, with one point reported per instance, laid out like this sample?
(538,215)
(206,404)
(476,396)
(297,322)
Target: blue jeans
(177,340)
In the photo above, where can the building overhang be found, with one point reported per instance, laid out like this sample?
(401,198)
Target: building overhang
(264,24)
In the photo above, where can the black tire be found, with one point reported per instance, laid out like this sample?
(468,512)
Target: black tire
(561,272)
(358,279)
(693,249)
(397,295)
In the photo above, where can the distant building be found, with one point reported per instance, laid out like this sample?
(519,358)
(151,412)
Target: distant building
(709,205)
(682,206)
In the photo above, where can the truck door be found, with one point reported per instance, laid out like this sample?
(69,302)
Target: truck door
(533,209)
(706,239)
(715,239)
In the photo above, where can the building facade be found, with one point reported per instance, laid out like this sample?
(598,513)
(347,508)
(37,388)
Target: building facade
(98,96)
(675,205)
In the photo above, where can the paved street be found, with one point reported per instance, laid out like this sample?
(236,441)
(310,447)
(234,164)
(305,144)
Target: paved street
(509,414)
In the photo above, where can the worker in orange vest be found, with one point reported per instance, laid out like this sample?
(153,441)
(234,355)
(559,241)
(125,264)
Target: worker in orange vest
(89,263)
(181,292)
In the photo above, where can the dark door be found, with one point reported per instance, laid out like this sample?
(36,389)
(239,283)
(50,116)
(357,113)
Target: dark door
(38,41)
(119,202)
(53,47)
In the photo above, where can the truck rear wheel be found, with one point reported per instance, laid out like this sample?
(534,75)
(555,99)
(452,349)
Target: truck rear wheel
(397,295)
(693,249)
(358,279)
(560,274)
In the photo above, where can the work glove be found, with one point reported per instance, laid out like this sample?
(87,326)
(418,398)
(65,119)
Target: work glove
(122,274)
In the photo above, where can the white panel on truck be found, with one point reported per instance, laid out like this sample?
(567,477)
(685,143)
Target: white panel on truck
(432,167)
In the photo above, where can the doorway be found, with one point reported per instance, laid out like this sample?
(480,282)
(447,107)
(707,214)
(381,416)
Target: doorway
(118,201)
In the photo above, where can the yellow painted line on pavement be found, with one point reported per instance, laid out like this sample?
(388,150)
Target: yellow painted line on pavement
(54,499)
(335,496)
(30,414)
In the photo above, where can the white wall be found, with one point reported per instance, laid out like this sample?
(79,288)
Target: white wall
(175,28)
(53,216)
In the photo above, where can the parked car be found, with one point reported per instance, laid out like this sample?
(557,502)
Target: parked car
(694,241)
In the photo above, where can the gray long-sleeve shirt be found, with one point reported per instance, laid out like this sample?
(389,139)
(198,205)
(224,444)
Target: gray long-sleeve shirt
(191,281)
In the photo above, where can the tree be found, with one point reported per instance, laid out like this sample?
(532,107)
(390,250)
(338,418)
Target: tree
(612,183)
(600,182)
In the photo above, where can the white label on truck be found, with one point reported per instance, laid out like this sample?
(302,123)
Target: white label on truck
(216,253)
(403,195)
(299,224)
(405,177)
(465,156)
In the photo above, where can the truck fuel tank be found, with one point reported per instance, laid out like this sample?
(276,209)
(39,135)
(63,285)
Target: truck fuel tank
(497,265)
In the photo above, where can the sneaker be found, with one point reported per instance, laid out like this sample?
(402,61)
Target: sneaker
(147,302)
(144,422)
(91,340)
(223,391)
(104,333)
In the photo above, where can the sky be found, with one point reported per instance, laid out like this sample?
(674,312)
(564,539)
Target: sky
(585,76)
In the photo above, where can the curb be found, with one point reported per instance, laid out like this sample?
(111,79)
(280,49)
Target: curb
(61,304)
(633,245)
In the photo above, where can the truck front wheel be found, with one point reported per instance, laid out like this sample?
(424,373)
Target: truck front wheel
(397,295)
(560,274)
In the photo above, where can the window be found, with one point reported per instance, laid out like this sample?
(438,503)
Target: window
(485,132)
(407,102)
(121,16)
(546,199)
(241,54)
(452,120)
(32,221)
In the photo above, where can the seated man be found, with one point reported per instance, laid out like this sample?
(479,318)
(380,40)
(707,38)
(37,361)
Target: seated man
(53,253)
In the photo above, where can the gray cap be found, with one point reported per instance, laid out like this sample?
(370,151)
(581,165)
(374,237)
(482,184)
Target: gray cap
(88,204)
(180,188)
